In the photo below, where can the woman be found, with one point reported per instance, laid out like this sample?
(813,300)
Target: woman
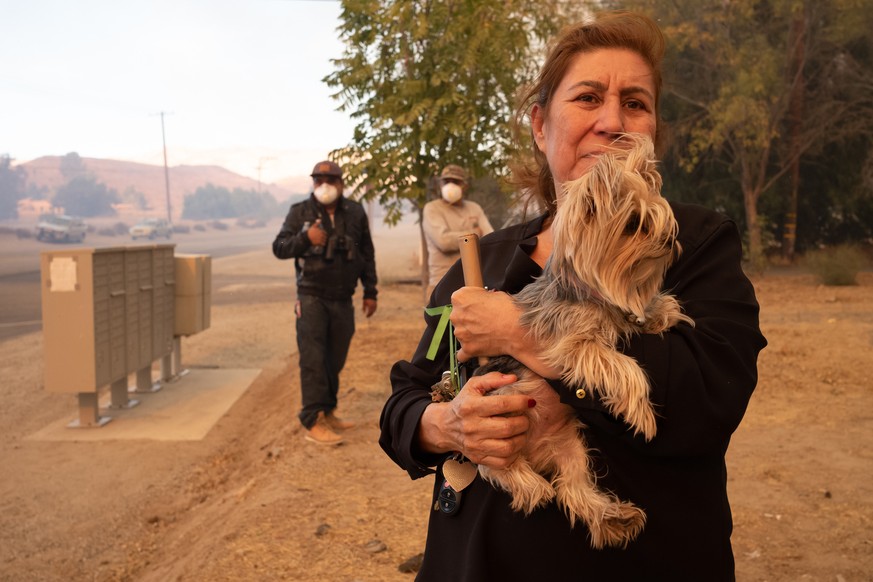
(601,79)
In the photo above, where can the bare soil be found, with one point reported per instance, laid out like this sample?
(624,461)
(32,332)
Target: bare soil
(254,501)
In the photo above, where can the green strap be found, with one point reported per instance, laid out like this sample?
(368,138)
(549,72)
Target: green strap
(444,312)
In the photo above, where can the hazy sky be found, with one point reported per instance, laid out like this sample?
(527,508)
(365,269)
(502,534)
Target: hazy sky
(239,80)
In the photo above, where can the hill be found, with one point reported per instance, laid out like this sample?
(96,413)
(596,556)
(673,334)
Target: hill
(150,180)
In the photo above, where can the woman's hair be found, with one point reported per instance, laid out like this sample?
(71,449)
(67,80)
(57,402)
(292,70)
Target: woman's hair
(607,30)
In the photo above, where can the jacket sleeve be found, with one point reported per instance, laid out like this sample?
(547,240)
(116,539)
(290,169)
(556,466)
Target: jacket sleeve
(291,242)
(402,412)
(368,254)
(411,383)
(702,376)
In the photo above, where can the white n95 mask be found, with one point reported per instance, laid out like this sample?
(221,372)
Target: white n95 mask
(451,192)
(326,193)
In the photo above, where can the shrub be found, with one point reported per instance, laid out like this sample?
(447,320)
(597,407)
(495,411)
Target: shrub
(23,233)
(218,225)
(199,227)
(107,231)
(181,228)
(120,228)
(837,265)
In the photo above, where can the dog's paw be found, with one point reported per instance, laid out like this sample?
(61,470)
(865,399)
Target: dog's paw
(632,402)
(642,419)
(663,313)
(621,524)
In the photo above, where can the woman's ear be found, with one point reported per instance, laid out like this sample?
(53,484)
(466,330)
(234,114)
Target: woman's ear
(537,121)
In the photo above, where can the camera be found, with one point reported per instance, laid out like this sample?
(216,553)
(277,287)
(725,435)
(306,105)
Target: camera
(342,245)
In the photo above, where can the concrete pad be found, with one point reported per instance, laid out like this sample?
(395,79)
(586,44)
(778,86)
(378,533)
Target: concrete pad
(182,410)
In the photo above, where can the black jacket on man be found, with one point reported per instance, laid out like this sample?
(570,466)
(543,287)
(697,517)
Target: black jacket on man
(331,271)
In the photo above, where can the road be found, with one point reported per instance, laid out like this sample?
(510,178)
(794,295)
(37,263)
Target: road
(20,308)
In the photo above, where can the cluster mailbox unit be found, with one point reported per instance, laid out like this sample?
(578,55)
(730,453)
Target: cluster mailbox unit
(108,313)
(193,301)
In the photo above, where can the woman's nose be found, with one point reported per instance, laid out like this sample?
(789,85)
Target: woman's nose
(610,119)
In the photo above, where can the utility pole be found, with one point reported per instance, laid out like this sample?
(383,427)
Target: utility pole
(166,169)
(261,165)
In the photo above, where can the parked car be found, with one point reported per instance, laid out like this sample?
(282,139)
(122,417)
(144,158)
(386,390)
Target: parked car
(60,228)
(151,228)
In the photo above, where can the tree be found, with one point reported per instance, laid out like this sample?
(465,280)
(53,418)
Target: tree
(134,197)
(422,81)
(758,84)
(214,202)
(432,83)
(72,166)
(85,196)
(12,187)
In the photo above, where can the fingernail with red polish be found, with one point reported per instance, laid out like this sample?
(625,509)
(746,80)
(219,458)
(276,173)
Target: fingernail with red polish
(531,403)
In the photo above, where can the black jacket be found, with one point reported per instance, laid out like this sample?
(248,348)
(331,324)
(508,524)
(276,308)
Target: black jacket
(331,271)
(702,378)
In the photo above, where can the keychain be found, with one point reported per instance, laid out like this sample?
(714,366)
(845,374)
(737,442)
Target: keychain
(459,472)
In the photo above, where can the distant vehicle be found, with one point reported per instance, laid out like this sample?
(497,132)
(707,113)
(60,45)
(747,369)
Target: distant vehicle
(151,228)
(60,228)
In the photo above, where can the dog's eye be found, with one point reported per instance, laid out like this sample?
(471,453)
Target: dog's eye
(633,225)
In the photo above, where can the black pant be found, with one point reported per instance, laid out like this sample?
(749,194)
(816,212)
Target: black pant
(324,332)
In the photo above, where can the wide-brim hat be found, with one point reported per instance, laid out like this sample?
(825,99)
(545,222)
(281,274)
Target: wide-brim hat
(327,168)
(454,172)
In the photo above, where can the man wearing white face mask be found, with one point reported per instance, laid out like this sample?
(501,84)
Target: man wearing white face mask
(328,236)
(446,219)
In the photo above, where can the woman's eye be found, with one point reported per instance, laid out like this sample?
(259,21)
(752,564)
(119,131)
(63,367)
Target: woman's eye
(636,105)
(587,98)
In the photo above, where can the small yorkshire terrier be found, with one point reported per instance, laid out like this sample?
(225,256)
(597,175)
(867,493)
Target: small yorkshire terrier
(614,238)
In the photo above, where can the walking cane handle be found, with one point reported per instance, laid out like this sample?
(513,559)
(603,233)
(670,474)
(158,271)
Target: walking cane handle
(469,247)
(470,262)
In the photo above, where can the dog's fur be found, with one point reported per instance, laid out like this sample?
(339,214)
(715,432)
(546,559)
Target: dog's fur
(614,238)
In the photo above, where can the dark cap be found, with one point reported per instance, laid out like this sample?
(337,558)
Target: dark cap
(454,172)
(327,168)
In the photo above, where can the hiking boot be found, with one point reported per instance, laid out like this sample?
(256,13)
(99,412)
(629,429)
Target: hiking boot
(336,423)
(321,434)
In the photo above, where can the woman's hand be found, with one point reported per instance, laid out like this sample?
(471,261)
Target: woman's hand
(488,430)
(486,324)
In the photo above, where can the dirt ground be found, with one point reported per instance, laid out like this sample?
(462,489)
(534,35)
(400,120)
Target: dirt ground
(254,501)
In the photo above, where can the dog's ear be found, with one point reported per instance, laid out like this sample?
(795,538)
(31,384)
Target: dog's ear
(641,160)
(578,197)
(587,203)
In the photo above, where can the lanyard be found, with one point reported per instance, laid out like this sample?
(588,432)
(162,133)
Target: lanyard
(444,324)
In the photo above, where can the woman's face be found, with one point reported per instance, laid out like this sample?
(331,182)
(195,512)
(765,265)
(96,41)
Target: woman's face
(604,92)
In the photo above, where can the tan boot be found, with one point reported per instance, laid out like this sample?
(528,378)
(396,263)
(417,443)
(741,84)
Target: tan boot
(336,423)
(321,434)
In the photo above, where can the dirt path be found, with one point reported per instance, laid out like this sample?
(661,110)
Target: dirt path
(253,501)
